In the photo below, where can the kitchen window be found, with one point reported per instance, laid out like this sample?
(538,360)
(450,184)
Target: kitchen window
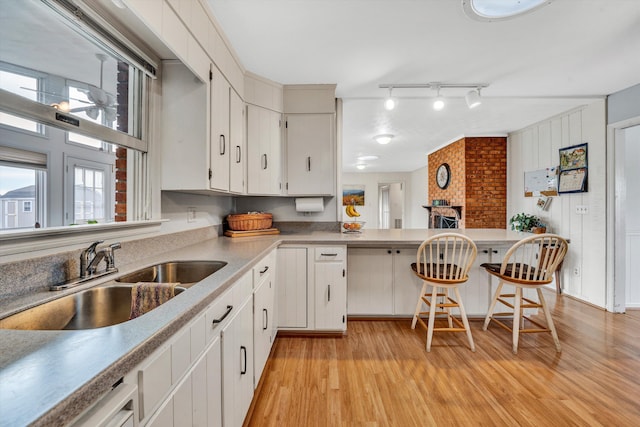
(76,91)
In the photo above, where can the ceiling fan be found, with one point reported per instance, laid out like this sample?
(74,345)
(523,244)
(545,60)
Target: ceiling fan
(100,98)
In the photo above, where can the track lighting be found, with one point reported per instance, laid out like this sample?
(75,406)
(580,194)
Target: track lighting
(384,138)
(390,103)
(473,98)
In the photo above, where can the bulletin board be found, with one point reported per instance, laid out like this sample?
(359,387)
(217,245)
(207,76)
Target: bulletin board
(542,182)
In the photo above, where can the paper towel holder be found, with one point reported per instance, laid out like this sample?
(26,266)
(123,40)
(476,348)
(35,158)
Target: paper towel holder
(309,204)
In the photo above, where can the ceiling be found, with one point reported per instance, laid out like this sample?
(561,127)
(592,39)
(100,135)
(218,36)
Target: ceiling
(537,65)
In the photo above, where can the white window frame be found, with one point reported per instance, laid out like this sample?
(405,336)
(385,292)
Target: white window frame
(69,188)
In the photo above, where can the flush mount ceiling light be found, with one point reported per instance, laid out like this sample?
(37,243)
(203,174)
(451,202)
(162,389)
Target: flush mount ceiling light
(492,10)
(438,104)
(361,166)
(473,98)
(389,103)
(384,138)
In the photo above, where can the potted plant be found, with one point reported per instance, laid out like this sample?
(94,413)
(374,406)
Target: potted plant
(526,222)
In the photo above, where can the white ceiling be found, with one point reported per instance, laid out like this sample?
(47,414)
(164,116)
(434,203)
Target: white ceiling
(537,65)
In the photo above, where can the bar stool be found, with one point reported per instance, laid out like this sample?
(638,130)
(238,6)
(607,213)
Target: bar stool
(443,262)
(528,264)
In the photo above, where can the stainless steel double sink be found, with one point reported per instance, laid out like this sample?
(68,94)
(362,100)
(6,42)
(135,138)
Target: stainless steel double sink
(108,304)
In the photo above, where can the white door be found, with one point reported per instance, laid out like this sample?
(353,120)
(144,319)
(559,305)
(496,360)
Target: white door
(237,144)
(331,295)
(291,292)
(219,139)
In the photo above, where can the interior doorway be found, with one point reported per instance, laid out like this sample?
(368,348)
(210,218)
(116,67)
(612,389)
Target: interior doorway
(391,205)
(628,236)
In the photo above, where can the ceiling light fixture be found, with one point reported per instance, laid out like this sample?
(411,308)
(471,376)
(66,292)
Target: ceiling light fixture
(361,166)
(368,157)
(389,103)
(491,10)
(119,4)
(438,104)
(473,98)
(384,138)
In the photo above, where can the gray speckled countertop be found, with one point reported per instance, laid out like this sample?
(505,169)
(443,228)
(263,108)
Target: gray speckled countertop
(47,378)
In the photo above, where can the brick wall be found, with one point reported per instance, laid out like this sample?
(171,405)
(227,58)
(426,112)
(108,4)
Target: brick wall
(478,180)
(453,155)
(486,175)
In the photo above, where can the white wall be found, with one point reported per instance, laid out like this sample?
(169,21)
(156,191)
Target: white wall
(536,147)
(284,208)
(416,196)
(210,210)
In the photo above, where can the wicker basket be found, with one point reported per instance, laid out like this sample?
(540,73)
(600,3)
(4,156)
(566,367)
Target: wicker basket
(249,221)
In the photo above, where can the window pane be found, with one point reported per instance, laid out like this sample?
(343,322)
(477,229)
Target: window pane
(89,202)
(22,85)
(18,187)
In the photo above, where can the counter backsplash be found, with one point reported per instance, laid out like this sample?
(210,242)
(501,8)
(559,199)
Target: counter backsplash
(37,274)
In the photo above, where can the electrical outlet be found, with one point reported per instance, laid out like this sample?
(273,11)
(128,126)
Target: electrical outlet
(582,210)
(576,272)
(191,214)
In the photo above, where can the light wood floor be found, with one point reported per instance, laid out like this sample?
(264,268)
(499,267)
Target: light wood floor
(381,375)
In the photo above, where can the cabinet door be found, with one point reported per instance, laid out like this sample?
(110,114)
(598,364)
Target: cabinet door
(264,140)
(476,293)
(214,384)
(406,285)
(310,154)
(263,317)
(370,281)
(331,296)
(219,141)
(291,291)
(237,144)
(237,366)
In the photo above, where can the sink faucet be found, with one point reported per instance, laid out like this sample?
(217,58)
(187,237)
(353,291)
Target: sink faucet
(90,258)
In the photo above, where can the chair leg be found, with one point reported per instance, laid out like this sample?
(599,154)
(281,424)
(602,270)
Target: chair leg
(517,318)
(492,306)
(446,301)
(432,317)
(418,305)
(547,315)
(465,321)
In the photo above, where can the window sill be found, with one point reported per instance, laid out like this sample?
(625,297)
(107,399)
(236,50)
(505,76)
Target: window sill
(17,245)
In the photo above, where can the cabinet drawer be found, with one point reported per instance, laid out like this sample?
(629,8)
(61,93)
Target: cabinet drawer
(263,269)
(219,312)
(330,253)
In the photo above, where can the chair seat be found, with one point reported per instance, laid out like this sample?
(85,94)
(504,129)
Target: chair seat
(522,271)
(448,272)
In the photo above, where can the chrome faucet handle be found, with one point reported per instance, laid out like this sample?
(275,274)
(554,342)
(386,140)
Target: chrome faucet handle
(84,258)
(109,256)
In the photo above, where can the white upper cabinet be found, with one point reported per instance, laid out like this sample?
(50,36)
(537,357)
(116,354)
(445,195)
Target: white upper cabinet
(264,153)
(310,140)
(185,106)
(220,144)
(238,144)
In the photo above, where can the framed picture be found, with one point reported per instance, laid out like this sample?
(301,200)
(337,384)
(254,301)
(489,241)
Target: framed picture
(573,169)
(353,195)
(573,157)
(573,181)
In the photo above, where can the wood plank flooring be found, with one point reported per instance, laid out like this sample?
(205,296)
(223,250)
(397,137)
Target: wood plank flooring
(381,375)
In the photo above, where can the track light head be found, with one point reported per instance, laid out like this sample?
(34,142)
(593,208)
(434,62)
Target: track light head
(389,103)
(473,98)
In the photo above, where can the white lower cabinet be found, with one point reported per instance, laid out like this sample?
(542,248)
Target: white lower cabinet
(381,282)
(291,292)
(264,332)
(311,293)
(237,366)
(330,288)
